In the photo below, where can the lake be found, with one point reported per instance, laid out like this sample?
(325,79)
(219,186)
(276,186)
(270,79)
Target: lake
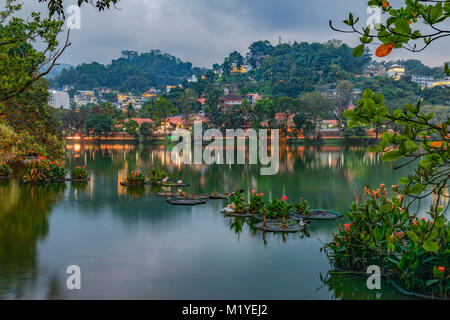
(131,244)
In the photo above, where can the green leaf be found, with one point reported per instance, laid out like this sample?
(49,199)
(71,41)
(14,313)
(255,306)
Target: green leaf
(391,155)
(374,149)
(358,51)
(430,282)
(413,236)
(403,180)
(430,246)
(418,188)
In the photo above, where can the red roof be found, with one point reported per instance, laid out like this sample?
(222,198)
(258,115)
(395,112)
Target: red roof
(140,121)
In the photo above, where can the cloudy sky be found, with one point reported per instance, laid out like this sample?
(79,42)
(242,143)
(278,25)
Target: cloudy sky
(205,31)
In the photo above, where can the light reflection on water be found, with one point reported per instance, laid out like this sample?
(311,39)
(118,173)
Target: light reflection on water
(131,244)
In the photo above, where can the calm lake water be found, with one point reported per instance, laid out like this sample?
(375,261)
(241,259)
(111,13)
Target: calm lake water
(131,244)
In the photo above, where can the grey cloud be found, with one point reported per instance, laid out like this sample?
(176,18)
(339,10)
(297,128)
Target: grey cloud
(205,31)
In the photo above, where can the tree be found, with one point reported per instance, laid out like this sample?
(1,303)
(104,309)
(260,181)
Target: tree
(315,107)
(130,111)
(382,229)
(162,110)
(147,130)
(131,127)
(21,64)
(57,7)
(344,93)
(188,106)
(100,125)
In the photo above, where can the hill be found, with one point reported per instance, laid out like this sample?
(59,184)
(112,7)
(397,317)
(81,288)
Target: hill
(132,72)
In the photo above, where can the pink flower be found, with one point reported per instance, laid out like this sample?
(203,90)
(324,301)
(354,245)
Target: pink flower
(261,194)
(284,198)
(253,191)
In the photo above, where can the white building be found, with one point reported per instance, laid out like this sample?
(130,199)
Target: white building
(59,99)
(423,81)
(396,71)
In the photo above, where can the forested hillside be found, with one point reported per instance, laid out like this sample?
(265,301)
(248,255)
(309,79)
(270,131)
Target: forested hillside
(132,72)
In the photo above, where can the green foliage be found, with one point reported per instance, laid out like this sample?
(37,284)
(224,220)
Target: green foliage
(157,175)
(256,203)
(384,233)
(135,177)
(45,170)
(303,207)
(79,173)
(100,125)
(278,209)
(131,127)
(237,201)
(147,130)
(133,72)
(403,26)
(5,170)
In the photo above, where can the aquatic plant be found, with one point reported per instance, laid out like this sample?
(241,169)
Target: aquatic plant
(237,201)
(278,209)
(135,177)
(303,208)
(79,173)
(45,170)
(414,252)
(157,175)
(5,170)
(256,203)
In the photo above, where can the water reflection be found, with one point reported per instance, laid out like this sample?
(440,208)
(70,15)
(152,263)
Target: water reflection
(24,211)
(135,245)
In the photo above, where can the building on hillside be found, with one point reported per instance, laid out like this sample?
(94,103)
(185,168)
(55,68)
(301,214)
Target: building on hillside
(330,124)
(84,97)
(443,82)
(423,81)
(230,100)
(396,71)
(238,69)
(59,99)
(375,70)
(253,98)
(169,88)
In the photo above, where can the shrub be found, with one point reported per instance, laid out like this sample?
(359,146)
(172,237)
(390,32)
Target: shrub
(45,170)
(157,175)
(5,170)
(303,208)
(237,199)
(414,252)
(79,173)
(256,203)
(278,209)
(135,177)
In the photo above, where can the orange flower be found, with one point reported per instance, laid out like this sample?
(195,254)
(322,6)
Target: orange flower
(414,222)
(441,269)
(384,50)
(385,3)
(382,185)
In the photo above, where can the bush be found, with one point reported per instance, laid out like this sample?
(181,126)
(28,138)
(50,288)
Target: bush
(238,201)
(45,170)
(135,177)
(5,170)
(257,202)
(79,173)
(303,208)
(157,175)
(413,252)
(278,209)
